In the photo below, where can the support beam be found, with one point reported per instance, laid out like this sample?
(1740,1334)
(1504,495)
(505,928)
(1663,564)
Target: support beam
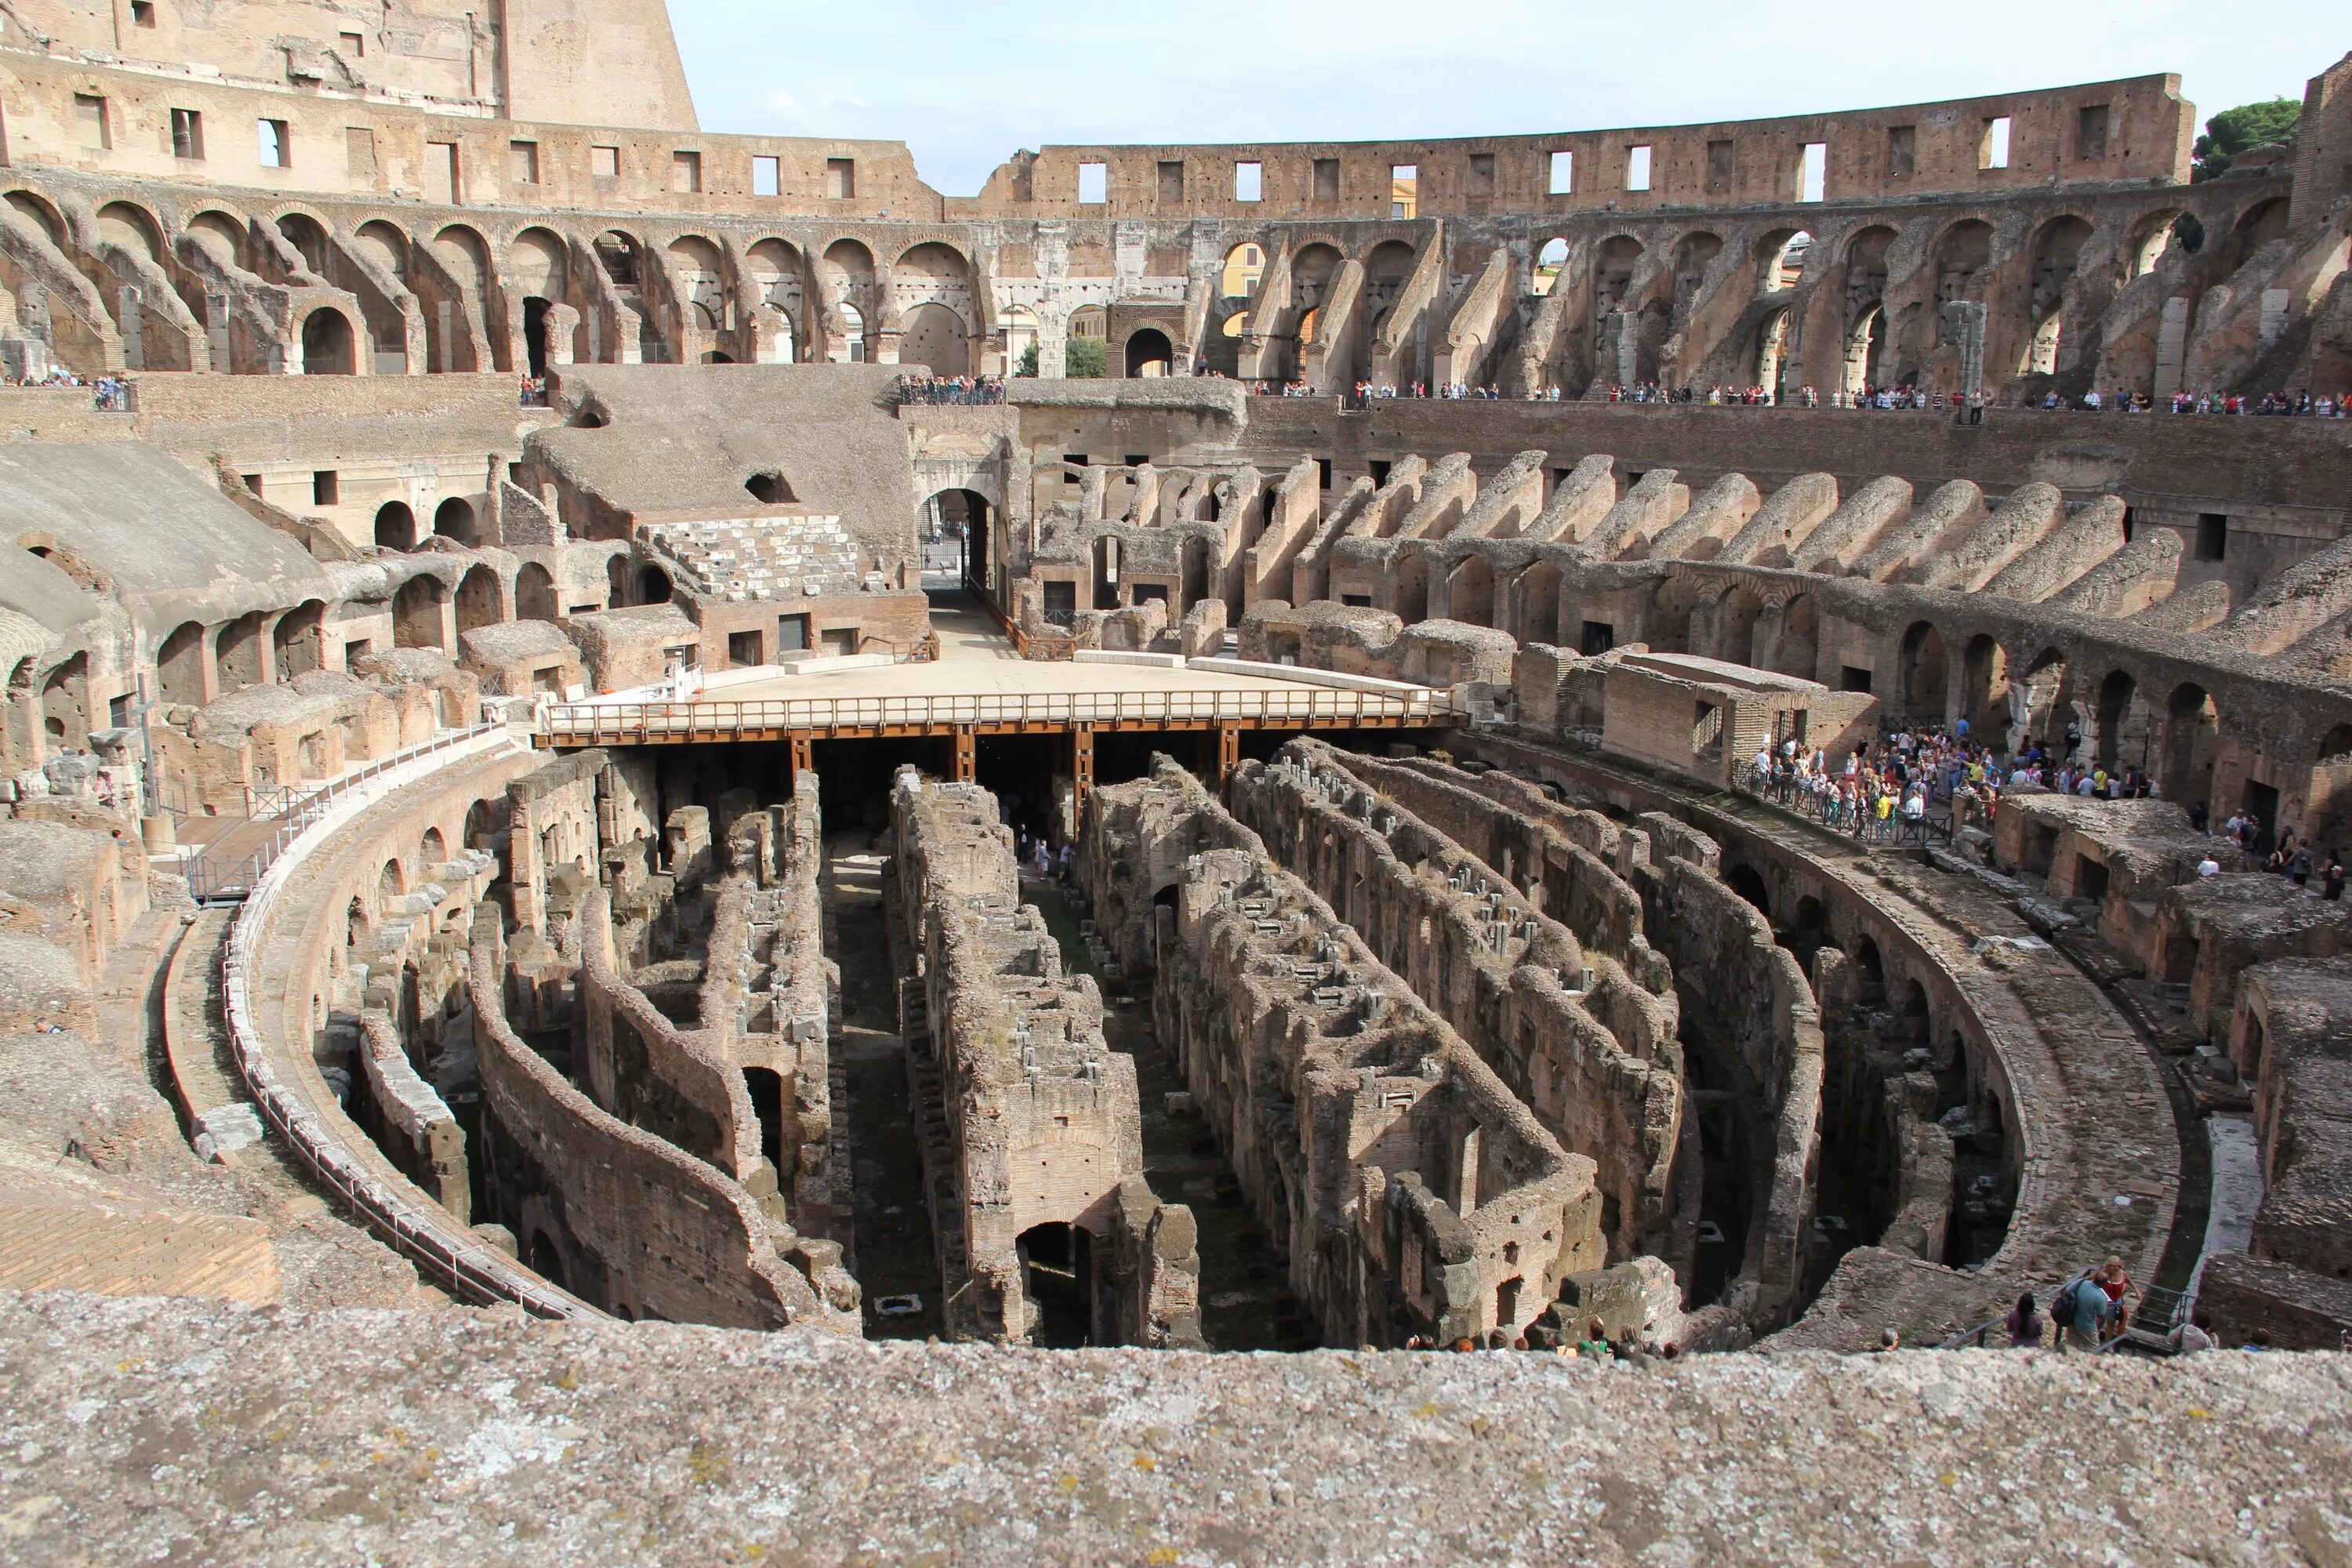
(1229,752)
(1082,768)
(967,763)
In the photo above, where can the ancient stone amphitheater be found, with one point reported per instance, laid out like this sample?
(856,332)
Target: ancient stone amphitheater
(651,912)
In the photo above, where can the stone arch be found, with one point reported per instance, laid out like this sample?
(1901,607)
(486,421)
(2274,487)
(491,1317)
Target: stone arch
(308,236)
(2328,804)
(622,256)
(299,639)
(1927,672)
(2057,254)
(1735,625)
(180,665)
(224,236)
(1984,686)
(1550,265)
(65,702)
(236,653)
(2149,239)
(395,526)
(933,335)
(1797,652)
(535,592)
(2047,689)
(1245,264)
(2192,742)
(383,244)
(454,520)
(1149,353)
(330,346)
(417,613)
(1780,256)
(132,228)
(2117,745)
(1540,603)
(1412,588)
(478,598)
(37,210)
(1470,595)
(778,276)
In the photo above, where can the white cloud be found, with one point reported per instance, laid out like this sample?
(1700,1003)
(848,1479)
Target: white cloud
(966,85)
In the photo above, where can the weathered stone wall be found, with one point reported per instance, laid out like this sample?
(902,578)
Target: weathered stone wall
(1413,1193)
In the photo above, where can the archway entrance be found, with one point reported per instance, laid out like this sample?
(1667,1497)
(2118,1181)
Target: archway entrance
(534,333)
(327,346)
(1149,353)
(395,526)
(1057,1269)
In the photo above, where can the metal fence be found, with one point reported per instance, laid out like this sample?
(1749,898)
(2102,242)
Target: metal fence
(438,1246)
(215,877)
(595,724)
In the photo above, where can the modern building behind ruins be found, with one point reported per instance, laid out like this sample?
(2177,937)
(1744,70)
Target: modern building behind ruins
(584,858)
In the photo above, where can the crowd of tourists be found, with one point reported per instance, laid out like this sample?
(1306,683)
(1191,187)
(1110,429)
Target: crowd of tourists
(534,392)
(1594,1343)
(2303,404)
(109,394)
(949,389)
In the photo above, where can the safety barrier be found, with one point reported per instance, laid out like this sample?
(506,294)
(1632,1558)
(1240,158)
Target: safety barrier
(425,1235)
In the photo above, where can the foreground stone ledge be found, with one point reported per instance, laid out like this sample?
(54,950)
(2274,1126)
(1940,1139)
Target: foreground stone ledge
(197,1433)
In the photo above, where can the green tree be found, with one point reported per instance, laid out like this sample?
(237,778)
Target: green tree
(1084,357)
(2233,131)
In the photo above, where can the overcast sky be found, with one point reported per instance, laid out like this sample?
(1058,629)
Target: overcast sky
(965,84)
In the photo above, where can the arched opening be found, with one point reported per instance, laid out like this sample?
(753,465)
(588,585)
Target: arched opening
(1780,260)
(395,526)
(454,520)
(1924,673)
(180,665)
(417,613)
(960,517)
(478,599)
(852,333)
(1735,637)
(1471,596)
(1413,588)
(653,585)
(933,335)
(1057,1271)
(2192,739)
(482,827)
(771,488)
(1749,883)
(237,654)
(1872,967)
(546,1261)
(327,345)
(1984,692)
(618,254)
(1551,262)
(2328,802)
(1799,652)
(1539,603)
(534,593)
(534,335)
(2118,746)
(1149,353)
(1245,265)
(616,580)
(299,640)
(2037,712)
(65,702)
(1771,353)
(1866,346)
(2057,254)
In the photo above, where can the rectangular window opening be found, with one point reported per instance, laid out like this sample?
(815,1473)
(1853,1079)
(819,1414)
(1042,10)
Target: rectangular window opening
(1404,189)
(1249,182)
(686,173)
(441,181)
(767,176)
(522,162)
(1323,472)
(2212,535)
(1637,168)
(1563,174)
(142,13)
(187,134)
(1902,150)
(277,147)
(326,487)
(354,44)
(90,122)
(1813,174)
(1379,468)
(2091,132)
(1854,678)
(1481,181)
(1718,165)
(1327,179)
(1993,148)
(1094,183)
(841,179)
(604,163)
(359,152)
(1172,182)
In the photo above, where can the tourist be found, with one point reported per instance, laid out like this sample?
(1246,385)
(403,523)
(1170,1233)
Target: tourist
(2193,1336)
(2331,887)
(2298,866)
(2209,867)
(2115,1284)
(2024,1324)
(2260,1339)
(2082,1309)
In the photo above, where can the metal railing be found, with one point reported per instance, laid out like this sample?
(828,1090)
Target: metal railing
(440,1248)
(215,877)
(594,724)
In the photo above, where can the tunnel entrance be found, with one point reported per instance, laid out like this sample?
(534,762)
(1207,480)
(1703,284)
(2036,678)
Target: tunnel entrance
(1057,1269)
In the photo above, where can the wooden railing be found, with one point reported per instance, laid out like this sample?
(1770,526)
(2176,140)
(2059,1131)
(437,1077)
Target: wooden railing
(589,724)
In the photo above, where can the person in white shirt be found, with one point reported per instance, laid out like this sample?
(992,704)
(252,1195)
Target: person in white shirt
(2209,867)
